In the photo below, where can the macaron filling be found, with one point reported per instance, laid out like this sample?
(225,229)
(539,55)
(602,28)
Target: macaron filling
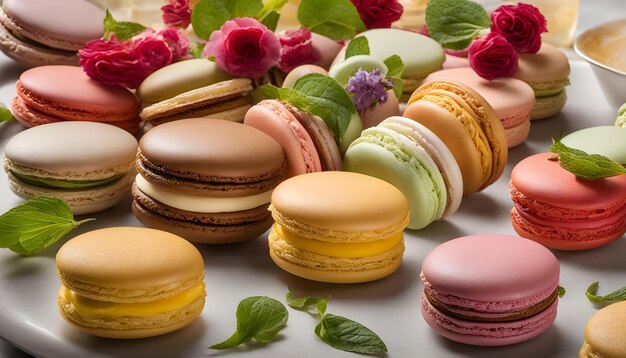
(91,309)
(201,204)
(337,249)
(44,182)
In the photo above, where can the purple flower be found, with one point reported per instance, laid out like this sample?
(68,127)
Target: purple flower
(368,89)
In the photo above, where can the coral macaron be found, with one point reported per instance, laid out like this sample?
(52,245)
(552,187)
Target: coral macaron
(338,227)
(50,94)
(490,290)
(130,282)
(560,211)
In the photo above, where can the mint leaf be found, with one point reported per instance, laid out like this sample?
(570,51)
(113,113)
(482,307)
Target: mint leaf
(5,114)
(397,87)
(583,165)
(196,51)
(210,15)
(313,305)
(123,30)
(350,336)
(615,296)
(271,6)
(455,23)
(271,21)
(561,291)
(321,96)
(337,19)
(395,66)
(258,317)
(358,46)
(31,227)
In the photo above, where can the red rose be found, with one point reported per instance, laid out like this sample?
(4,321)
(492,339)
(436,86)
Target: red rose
(492,56)
(177,13)
(378,13)
(521,25)
(297,49)
(152,53)
(110,62)
(176,41)
(244,47)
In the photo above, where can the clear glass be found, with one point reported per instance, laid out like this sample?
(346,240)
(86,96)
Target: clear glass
(562,16)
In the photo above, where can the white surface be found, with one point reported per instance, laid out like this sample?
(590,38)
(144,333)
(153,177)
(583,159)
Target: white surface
(390,307)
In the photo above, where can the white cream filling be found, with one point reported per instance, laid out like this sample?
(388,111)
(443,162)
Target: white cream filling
(201,204)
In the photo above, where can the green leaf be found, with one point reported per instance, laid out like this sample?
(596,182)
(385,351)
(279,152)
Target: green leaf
(321,96)
(561,292)
(196,51)
(259,318)
(31,227)
(358,46)
(350,336)
(313,305)
(455,23)
(395,66)
(271,6)
(337,19)
(583,165)
(123,30)
(271,20)
(210,15)
(5,114)
(615,296)
(397,87)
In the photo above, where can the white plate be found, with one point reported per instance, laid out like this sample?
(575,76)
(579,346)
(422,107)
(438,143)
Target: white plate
(390,307)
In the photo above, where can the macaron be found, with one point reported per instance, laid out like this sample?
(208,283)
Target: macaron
(301,71)
(207,180)
(453,61)
(130,282)
(193,89)
(469,127)
(49,94)
(608,141)
(512,99)
(327,48)
(338,227)
(87,164)
(307,141)
(604,333)
(621,117)
(384,43)
(41,32)
(547,72)
(413,159)
(481,289)
(559,211)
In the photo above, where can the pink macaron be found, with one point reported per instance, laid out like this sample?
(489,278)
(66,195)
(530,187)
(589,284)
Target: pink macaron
(512,99)
(48,94)
(490,290)
(562,212)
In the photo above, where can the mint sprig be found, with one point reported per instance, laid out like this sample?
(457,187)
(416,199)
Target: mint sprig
(124,30)
(337,19)
(455,23)
(5,114)
(259,318)
(210,15)
(336,331)
(31,227)
(358,46)
(615,296)
(395,69)
(585,166)
(321,96)
(270,13)
(561,291)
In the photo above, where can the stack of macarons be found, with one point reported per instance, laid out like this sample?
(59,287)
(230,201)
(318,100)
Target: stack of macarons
(547,72)
(43,32)
(490,290)
(87,164)
(338,227)
(469,127)
(130,282)
(207,180)
(560,211)
(408,155)
(193,89)
(512,99)
(49,94)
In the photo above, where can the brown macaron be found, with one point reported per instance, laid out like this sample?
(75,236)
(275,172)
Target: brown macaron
(207,180)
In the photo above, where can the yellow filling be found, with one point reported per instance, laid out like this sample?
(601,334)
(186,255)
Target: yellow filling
(89,308)
(340,250)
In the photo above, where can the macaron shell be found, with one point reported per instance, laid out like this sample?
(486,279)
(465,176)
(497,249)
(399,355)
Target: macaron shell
(548,106)
(372,117)
(355,127)
(455,62)
(608,141)
(518,134)
(547,65)
(604,332)
(301,71)
(274,119)
(345,69)
(327,48)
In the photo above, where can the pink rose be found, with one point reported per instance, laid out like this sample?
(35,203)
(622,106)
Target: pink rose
(492,56)
(297,49)
(176,41)
(244,47)
(378,13)
(521,25)
(177,13)
(152,53)
(111,62)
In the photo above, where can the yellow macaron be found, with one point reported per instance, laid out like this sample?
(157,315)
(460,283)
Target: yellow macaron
(130,282)
(338,227)
(604,333)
